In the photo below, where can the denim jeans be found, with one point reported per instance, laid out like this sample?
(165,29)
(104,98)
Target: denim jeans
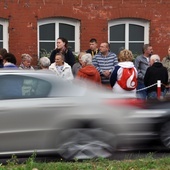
(141,94)
(153,95)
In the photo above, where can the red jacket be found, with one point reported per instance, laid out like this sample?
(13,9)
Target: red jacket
(89,72)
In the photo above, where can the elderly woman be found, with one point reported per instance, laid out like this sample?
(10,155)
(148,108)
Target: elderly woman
(124,77)
(88,71)
(61,68)
(44,63)
(26,62)
(77,66)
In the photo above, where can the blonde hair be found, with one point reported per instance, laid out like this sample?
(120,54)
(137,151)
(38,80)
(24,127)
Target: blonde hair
(80,54)
(26,57)
(125,55)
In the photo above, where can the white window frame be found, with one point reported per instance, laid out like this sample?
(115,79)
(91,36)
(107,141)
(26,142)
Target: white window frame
(57,21)
(127,22)
(5,40)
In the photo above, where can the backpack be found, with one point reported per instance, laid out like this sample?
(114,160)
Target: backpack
(128,80)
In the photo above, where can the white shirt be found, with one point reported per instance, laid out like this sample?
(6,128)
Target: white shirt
(63,71)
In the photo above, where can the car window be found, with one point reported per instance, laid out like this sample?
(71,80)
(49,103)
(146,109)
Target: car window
(16,86)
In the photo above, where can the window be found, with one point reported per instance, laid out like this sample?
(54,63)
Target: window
(3,33)
(131,34)
(14,86)
(50,29)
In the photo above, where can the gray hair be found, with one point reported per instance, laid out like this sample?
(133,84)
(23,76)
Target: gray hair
(26,57)
(155,58)
(62,56)
(86,58)
(44,62)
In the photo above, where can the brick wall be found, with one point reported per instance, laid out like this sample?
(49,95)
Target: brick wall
(93,14)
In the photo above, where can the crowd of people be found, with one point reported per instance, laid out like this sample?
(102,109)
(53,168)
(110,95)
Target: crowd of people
(120,73)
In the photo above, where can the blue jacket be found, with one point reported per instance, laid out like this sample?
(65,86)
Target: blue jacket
(10,66)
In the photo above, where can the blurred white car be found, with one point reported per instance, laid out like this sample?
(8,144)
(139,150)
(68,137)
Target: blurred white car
(43,114)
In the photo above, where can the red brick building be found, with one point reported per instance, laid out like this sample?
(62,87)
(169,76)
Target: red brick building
(31,26)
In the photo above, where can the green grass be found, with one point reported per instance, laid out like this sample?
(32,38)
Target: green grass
(146,163)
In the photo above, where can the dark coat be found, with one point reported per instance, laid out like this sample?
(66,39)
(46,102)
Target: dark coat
(154,73)
(69,57)
(93,53)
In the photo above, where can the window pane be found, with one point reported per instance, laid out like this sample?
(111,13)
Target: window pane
(115,47)
(1,44)
(15,86)
(136,33)
(117,33)
(67,31)
(42,89)
(71,46)
(47,32)
(1,32)
(11,86)
(46,48)
(136,48)
(35,88)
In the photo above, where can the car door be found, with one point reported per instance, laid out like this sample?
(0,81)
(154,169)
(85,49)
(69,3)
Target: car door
(33,120)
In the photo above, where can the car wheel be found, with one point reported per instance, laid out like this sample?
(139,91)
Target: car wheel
(85,144)
(165,134)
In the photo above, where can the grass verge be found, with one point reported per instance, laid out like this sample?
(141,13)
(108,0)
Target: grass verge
(146,163)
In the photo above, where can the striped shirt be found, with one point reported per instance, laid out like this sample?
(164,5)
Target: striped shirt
(103,63)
